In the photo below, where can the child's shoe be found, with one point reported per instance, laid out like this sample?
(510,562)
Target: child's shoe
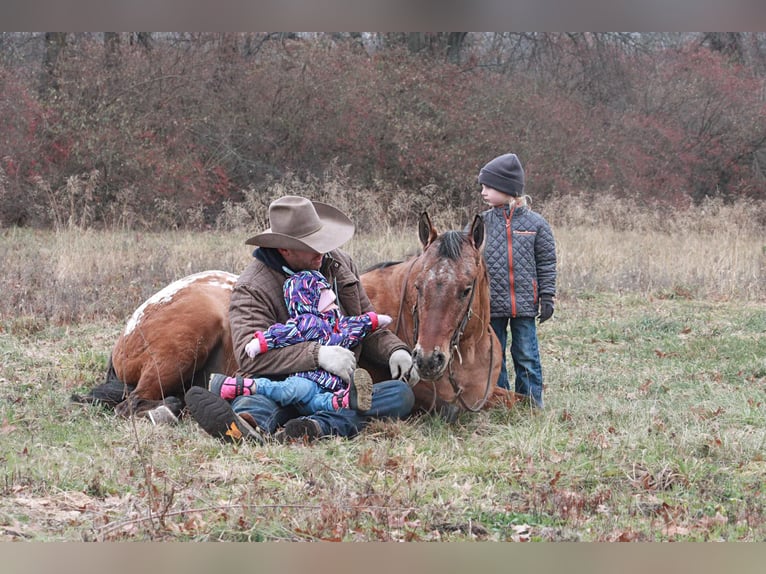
(230,387)
(358,397)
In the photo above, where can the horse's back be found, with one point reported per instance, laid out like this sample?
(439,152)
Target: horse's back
(176,333)
(383,285)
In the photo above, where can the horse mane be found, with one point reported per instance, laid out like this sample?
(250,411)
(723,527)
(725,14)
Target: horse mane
(451,244)
(450,247)
(381,265)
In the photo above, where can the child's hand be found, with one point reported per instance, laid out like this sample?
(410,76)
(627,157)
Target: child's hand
(546,308)
(384,321)
(253,348)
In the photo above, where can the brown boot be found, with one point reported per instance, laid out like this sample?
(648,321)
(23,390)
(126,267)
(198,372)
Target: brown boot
(218,419)
(303,429)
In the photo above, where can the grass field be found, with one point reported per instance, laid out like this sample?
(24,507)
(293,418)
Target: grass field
(654,427)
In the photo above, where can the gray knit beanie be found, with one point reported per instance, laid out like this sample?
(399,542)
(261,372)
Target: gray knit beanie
(505,174)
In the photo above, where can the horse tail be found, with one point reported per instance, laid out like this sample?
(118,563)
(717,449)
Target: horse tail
(109,393)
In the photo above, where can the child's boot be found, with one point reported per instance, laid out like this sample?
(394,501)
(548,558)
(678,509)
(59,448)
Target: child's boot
(230,387)
(358,397)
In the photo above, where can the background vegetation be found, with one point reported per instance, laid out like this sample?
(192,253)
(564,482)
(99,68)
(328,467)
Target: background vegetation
(163,131)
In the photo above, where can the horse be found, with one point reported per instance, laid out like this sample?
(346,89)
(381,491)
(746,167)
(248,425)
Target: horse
(439,302)
(175,339)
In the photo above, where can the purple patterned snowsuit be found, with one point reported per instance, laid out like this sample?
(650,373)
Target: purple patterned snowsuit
(302,291)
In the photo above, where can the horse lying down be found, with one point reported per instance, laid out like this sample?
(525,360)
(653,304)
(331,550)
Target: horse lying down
(439,301)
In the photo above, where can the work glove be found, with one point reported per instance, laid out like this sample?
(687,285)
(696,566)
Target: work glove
(402,367)
(546,308)
(337,360)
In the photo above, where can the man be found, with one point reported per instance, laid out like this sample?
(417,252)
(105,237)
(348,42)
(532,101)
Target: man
(302,235)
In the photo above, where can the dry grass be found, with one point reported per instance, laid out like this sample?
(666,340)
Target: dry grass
(716,252)
(654,429)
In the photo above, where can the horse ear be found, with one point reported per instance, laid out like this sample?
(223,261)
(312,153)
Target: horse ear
(426,230)
(477,232)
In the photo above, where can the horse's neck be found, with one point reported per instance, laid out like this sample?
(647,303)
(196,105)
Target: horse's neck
(405,324)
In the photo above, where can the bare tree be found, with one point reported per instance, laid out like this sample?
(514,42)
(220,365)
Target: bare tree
(447,45)
(54,46)
(728,43)
(143,39)
(111,50)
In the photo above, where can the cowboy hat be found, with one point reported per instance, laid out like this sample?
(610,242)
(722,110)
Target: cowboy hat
(297,223)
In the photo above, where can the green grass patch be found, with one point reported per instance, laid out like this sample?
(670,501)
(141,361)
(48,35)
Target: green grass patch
(654,429)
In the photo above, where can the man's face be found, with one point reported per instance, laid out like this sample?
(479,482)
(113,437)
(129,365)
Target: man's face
(298,260)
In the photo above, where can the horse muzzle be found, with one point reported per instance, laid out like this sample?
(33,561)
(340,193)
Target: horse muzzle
(430,366)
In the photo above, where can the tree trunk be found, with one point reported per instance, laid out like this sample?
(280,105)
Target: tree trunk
(455,42)
(54,45)
(727,43)
(111,50)
(144,39)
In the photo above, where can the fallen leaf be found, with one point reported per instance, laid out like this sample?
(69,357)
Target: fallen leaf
(6,427)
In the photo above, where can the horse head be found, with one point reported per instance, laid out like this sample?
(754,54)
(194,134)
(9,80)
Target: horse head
(447,282)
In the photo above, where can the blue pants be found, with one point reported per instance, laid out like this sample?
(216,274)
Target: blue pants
(525,353)
(390,399)
(304,394)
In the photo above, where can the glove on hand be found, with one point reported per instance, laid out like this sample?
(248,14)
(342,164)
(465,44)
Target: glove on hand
(546,308)
(337,360)
(402,367)
(253,348)
(384,321)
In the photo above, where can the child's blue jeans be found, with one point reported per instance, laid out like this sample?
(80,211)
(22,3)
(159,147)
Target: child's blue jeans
(302,393)
(525,353)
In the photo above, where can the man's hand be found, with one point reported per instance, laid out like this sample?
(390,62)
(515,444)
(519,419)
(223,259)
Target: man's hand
(402,367)
(546,308)
(337,360)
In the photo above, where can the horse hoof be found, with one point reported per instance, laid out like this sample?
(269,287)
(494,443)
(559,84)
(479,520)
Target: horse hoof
(124,409)
(448,412)
(162,415)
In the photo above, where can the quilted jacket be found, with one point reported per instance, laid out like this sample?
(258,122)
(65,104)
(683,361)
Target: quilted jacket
(520,252)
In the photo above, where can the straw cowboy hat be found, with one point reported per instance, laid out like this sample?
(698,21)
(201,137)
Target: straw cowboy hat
(297,223)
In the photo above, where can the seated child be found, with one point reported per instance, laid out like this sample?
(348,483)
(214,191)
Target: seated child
(314,316)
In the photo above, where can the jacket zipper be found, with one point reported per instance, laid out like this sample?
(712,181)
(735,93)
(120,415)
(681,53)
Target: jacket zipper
(509,239)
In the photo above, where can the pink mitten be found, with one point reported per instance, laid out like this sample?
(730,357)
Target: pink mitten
(384,321)
(256,346)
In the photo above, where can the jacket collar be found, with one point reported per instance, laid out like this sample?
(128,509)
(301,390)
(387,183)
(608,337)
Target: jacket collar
(270,257)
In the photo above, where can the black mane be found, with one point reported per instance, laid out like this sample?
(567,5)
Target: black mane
(381,265)
(451,244)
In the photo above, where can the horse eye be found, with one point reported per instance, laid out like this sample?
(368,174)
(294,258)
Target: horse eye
(466,292)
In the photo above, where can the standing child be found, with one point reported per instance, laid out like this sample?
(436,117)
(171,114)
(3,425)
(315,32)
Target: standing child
(314,316)
(521,258)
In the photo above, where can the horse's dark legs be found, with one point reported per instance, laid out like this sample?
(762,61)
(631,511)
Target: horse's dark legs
(115,394)
(448,411)
(110,393)
(167,410)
